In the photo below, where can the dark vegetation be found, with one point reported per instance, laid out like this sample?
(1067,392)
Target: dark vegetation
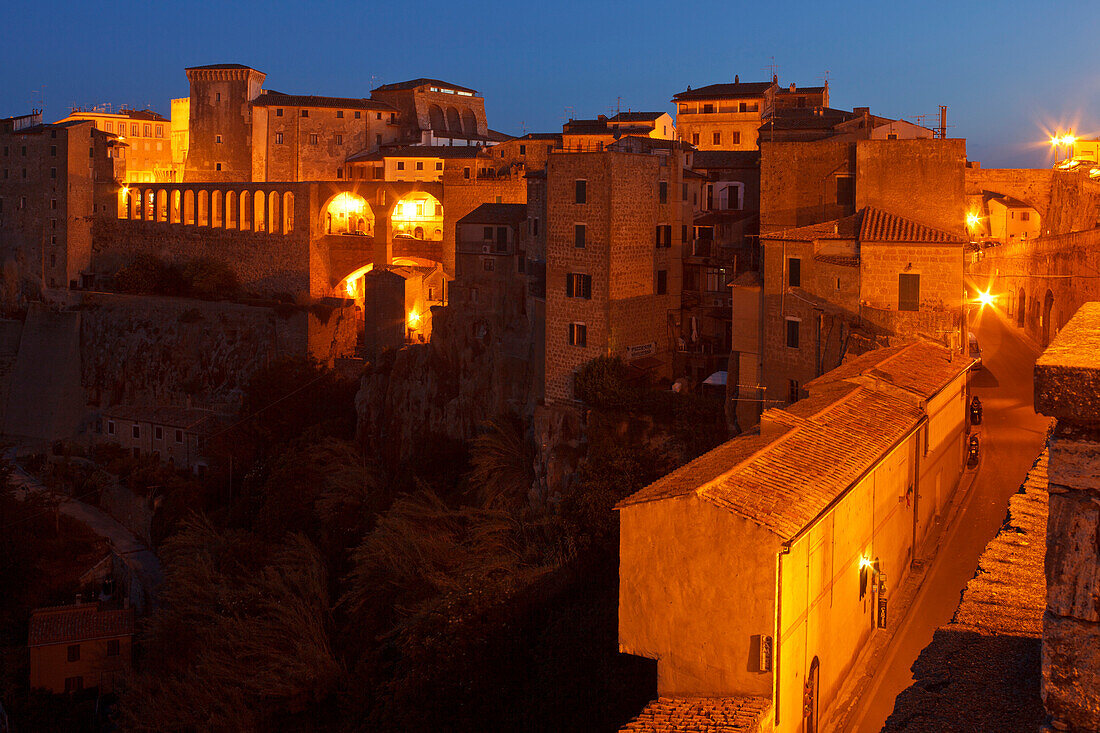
(309,587)
(202,277)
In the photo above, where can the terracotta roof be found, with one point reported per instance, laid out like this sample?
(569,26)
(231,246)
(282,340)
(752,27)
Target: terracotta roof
(725,91)
(702,715)
(842,260)
(414,83)
(982,671)
(68,624)
(846,228)
(542,136)
(636,116)
(882,226)
(921,367)
(806,118)
(419,151)
(278,99)
(496,214)
(801,90)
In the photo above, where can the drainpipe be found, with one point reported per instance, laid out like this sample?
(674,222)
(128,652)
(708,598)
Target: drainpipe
(784,550)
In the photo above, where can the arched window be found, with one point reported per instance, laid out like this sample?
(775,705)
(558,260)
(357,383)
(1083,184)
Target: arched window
(453,122)
(189,207)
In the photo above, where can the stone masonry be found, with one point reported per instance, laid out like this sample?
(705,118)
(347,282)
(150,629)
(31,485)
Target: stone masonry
(1067,387)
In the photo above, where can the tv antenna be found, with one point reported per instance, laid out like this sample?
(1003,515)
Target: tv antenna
(773,68)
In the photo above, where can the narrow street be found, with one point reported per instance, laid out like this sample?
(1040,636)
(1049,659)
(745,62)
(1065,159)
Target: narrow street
(1012,436)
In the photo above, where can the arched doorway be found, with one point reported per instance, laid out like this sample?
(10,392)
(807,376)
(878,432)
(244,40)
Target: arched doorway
(1048,306)
(1021,308)
(418,215)
(810,709)
(349,213)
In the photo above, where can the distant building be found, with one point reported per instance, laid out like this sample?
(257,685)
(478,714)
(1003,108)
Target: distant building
(580,136)
(397,303)
(55,179)
(1011,220)
(146,136)
(434,112)
(175,435)
(757,573)
(76,647)
(491,258)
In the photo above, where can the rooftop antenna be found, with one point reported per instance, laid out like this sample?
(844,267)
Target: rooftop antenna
(942,130)
(568,112)
(773,68)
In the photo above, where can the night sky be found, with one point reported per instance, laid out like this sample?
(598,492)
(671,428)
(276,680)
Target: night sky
(1010,72)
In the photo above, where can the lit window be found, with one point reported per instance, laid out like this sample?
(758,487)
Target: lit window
(578,285)
(578,334)
(313,138)
(278,138)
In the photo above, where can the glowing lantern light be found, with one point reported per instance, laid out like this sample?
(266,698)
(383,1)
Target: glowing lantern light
(986,298)
(973,220)
(413,320)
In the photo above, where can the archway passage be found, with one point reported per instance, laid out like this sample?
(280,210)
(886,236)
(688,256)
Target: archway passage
(349,213)
(418,215)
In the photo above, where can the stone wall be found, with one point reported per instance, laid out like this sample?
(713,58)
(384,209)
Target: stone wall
(171,351)
(1067,387)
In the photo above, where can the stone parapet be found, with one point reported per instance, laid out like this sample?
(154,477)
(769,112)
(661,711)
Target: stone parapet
(1067,387)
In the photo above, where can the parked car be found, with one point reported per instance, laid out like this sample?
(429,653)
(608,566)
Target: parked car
(974,350)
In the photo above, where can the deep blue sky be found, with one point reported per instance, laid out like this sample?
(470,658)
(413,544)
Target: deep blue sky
(1008,70)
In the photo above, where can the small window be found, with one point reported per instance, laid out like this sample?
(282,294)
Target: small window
(110,427)
(134,127)
(53,150)
(135,431)
(400,165)
(466,173)
(792,390)
(487,264)
(158,433)
(578,334)
(378,115)
(578,285)
(147,131)
(581,191)
(695,139)
(217,166)
(908,292)
(717,138)
(278,138)
(74,652)
(487,234)
(579,236)
(53,173)
(339,139)
(305,113)
(439,166)
(278,111)
(357,114)
(179,436)
(794,272)
(74,684)
(112,647)
(339,114)
(662,192)
(535,226)
(736,138)
(523,150)
(420,165)
(313,138)
(662,282)
(217,96)
(792,333)
(160,130)
(217,138)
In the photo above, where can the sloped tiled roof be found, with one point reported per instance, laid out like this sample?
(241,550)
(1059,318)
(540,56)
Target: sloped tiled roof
(68,624)
(845,228)
(419,151)
(636,116)
(278,99)
(414,83)
(920,367)
(725,91)
(882,226)
(701,715)
(496,214)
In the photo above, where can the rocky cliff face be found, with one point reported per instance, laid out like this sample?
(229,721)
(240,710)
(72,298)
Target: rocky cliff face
(476,366)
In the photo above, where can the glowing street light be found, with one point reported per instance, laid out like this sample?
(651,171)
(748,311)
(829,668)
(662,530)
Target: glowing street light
(413,320)
(973,220)
(985,298)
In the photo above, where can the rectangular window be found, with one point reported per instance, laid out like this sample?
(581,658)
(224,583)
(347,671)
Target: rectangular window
(581,190)
(579,236)
(53,151)
(466,173)
(278,138)
(662,192)
(717,138)
(217,138)
(135,431)
(74,684)
(179,436)
(578,285)
(846,190)
(578,334)
(908,292)
(158,433)
(339,114)
(358,114)
(147,131)
(523,150)
(487,264)
(695,138)
(662,282)
(217,166)
(53,173)
(792,333)
(400,165)
(278,112)
(737,138)
(339,139)
(305,113)
(794,272)
(378,115)
(160,130)
(112,647)
(438,166)
(110,427)
(134,127)
(487,234)
(535,227)
(420,165)
(313,138)
(217,96)
(74,652)
(664,235)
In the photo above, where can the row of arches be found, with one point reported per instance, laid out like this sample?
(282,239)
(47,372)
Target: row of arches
(247,211)
(452,120)
(1044,318)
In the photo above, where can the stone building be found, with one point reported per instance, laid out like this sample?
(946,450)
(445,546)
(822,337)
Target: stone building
(727,116)
(579,136)
(174,435)
(614,237)
(397,305)
(491,257)
(146,136)
(81,646)
(756,573)
(55,180)
(434,112)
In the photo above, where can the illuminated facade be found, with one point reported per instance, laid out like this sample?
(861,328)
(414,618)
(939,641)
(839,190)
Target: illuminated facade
(418,215)
(147,136)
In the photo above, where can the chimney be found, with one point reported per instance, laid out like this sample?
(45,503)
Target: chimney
(79,599)
(792,86)
(736,79)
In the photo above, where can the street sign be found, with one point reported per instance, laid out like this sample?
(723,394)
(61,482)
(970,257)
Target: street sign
(881,612)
